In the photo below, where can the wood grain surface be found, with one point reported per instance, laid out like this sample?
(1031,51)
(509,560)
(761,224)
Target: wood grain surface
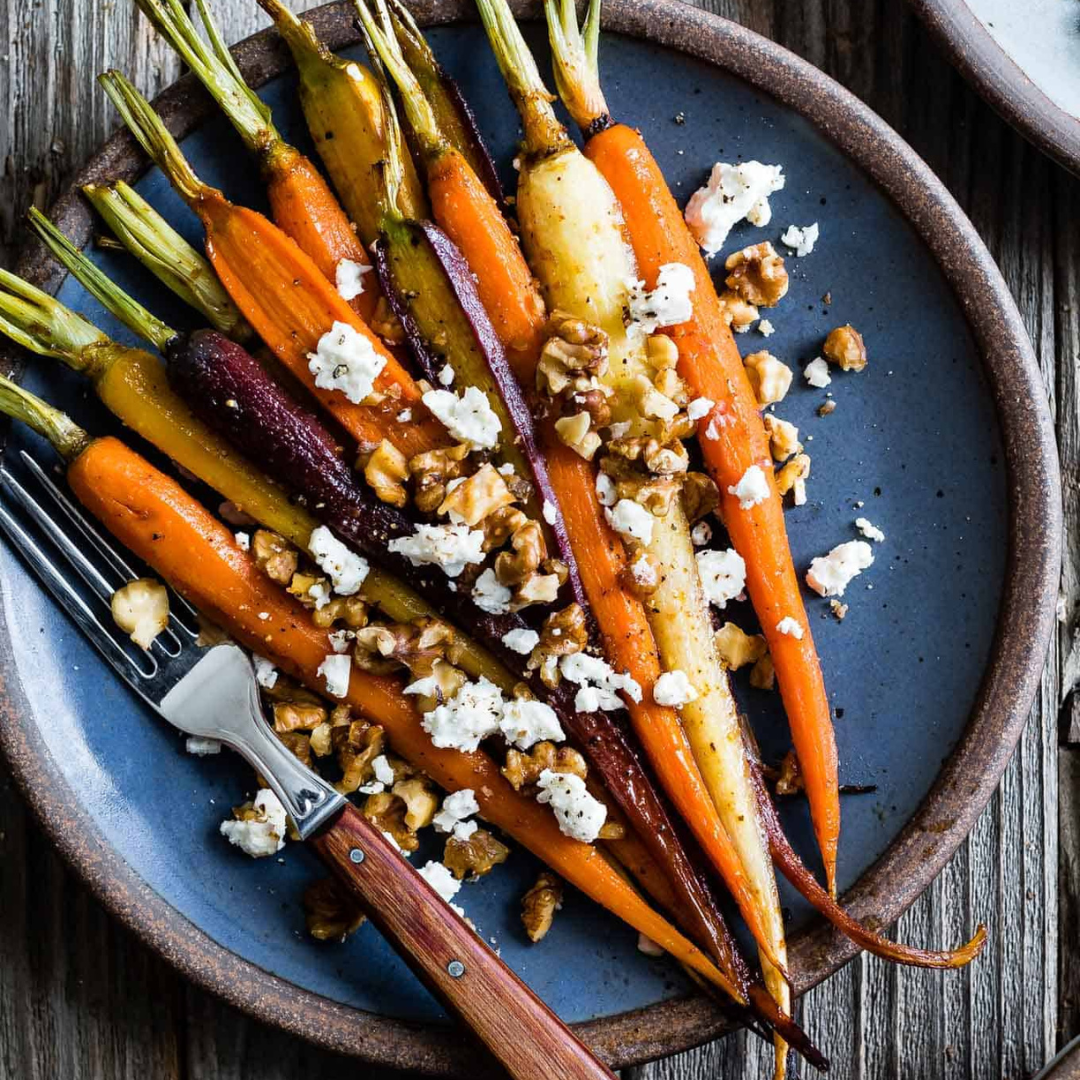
(80,998)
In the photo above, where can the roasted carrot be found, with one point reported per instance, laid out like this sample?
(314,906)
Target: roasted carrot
(281,292)
(301,201)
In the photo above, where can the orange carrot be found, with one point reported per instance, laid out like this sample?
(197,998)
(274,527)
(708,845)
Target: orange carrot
(732,439)
(163,525)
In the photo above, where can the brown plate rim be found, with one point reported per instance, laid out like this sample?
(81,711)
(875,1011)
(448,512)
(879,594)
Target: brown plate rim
(1001,81)
(967,780)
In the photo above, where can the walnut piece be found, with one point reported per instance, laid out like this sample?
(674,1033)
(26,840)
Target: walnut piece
(274,556)
(539,904)
(298,716)
(757,275)
(432,471)
(738,314)
(763,674)
(663,352)
(474,499)
(385,647)
(790,781)
(524,769)
(792,477)
(386,324)
(563,634)
(350,610)
(387,813)
(736,648)
(357,744)
(476,856)
(321,741)
(421,801)
(386,470)
(783,437)
(576,432)
(839,610)
(330,912)
(770,378)
(298,744)
(844,346)
(700,496)
(574,353)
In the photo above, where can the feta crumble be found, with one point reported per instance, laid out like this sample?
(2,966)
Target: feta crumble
(469,418)
(870,531)
(201,746)
(464,829)
(453,547)
(521,640)
(456,807)
(446,375)
(766,328)
(551,515)
(830,575)
(442,880)
(266,675)
(699,408)
(723,575)
(599,683)
(673,688)
(579,815)
(345,568)
(345,360)
(667,305)
(384,772)
(470,716)
(733,192)
(701,534)
(605,490)
(336,669)
(526,722)
(243,540)
(340,640)
(643,572)
(264,834)
(817,373)
(630,519)
(790,626)
(319,593)
(349,278)
(490,595)
(752,489)
(802,240)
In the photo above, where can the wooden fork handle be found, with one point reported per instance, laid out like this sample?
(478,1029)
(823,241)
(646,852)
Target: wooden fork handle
(523,1034)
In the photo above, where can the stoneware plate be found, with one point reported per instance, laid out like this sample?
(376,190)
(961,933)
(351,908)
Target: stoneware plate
(944,442)
(1024,59)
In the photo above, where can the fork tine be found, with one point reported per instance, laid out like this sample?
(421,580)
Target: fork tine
(119,564)
(73,603)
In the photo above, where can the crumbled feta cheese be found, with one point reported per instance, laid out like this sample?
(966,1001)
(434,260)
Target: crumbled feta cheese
(521,640)
(830,575)
(340,640)
(349,278)
(404,416)
(579,815)
(551,515)
(469,418)
(630,519)
(345,360)
(802,240)
(733,192)
(243,541)
(667,305)
(643,572)
(453,547)
(456,807)
(202,747)
(266,675)
(620,430)
(817,373)
(426,687)
(790,626)
(673,688)
(345,568)
(384,771)
(372,787)
(441,879)
(723,575)
(336,669)
(701,534)
(463,830)
(766,328)
(264,834)
(490,595)
(871,532)
(319,591)
(654,405)
(526,722)
(699,407)
(446,375)
(599,682)
(506,469)
(471,715)
(605,489)
(752,489)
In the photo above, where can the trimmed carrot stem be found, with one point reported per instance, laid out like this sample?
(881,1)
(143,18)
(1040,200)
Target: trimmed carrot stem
(733,438)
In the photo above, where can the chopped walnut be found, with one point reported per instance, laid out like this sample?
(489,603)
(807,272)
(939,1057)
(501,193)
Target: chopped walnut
(387,813)
(298,716)
(700,496)
(384,647)
(563,634)
(421,801)
(655,493)
(321,742)
(472,500)
(574,353)
(792,477)
(663,352)
(499,526)
(357,744)
(275,556)
(286,688)
(524,769)
(448,680)
(539,904)
(838,609)
(783,437)
(386,470)
(770,378)
(538,589)
(738,314)
(386,324)
(763,674)
(476,856)
(330,910)
(844,346)
(595,403)
(736,649)
(826,407)
(790,781)
(432,471)
(576,432)
(298,744)
(641,574)
(350,610)
(757,275)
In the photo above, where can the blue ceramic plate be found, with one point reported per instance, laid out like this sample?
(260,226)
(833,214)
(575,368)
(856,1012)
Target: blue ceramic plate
(928,674)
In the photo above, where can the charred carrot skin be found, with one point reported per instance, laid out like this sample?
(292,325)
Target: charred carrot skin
(733,438)
(157,520)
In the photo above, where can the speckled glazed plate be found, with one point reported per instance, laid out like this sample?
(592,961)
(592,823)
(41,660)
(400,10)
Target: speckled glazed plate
(944,441)
(1024,59)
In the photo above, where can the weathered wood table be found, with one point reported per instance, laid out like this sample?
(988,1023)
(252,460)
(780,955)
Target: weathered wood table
(79,998)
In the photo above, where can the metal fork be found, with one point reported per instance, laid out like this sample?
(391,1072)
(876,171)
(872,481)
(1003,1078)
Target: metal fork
(210,692)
